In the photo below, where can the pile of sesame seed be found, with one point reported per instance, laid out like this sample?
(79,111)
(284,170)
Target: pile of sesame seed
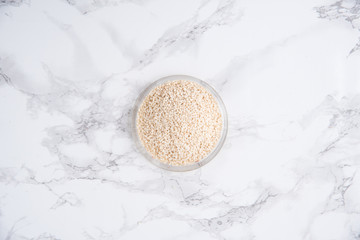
(179,122)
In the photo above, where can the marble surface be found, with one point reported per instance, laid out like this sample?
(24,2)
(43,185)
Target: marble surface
(288,72)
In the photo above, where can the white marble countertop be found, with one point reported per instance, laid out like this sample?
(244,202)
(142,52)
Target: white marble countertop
(289,75)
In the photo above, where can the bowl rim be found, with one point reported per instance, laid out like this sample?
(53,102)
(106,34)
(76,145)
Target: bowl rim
(137,139)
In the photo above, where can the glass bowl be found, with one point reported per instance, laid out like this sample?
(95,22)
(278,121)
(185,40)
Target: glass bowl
(157,162)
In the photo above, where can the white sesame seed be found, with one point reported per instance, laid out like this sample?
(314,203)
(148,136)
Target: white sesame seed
(179,122)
